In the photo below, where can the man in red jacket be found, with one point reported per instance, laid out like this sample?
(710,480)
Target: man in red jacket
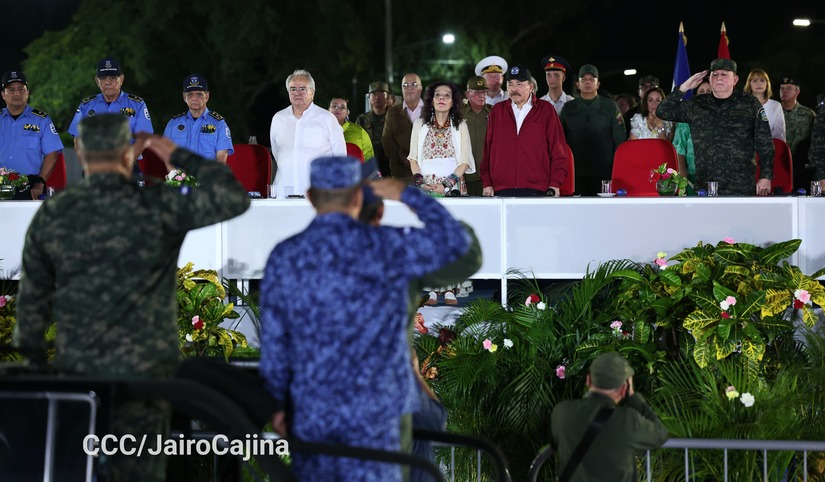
(525,153)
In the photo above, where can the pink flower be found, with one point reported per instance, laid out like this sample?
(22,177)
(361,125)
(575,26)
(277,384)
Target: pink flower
(560,371)
(670,170)
(803,296)
(725,315)
(731,300)
(2,301)
(179,178)
(197,323)
(729,240)
(534,298)
(616,325)
(487,344)
(661,262)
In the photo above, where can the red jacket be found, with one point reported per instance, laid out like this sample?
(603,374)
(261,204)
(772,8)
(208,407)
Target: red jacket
(535,158)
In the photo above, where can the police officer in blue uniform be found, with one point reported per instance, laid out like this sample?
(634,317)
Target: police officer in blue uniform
(29,143)
(200,129)
(112,99)
(337,350)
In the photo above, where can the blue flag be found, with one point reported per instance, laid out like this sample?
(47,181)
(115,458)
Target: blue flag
(681,70)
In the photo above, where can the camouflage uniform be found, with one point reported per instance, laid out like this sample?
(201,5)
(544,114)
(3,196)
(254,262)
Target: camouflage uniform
(725,133)
(374,125)
(798,123)
(477,124)
(817,153)
(100,259)
(338,348)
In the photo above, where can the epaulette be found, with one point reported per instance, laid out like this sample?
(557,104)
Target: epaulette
(215,115)
(39,113)
(88,99)
(179,115)
(134,97)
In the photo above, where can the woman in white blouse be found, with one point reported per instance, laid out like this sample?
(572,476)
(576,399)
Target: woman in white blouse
(440,151)
(645,124)
(759,85)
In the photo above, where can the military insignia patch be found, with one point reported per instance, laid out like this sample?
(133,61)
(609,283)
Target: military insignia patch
(31,128)
(54,131)
(216,115)
(127,111)
(134,97)
(181,127)
(91,113)
(228,135)
(88,99)
(763,116)
(146,113)
(208,128)
(39,113)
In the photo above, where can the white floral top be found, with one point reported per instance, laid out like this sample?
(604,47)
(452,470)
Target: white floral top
(640,129)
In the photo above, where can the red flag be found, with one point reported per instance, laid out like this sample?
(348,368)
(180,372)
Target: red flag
(723,52)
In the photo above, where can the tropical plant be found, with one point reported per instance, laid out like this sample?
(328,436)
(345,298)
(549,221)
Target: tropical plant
(179,178)
(12,178)
(201,310)
(668,180)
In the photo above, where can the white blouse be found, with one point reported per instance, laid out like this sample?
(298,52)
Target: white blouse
(640,129)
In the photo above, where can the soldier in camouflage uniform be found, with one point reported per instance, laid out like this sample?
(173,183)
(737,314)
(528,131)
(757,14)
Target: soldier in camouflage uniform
(373,122)
(726,127)
(100,260)
(337,349)
(798,122)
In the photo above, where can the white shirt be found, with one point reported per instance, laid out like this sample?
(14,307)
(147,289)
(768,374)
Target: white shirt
(521,113)
(776,118)
(502,96)
(413,114)
(297,142)
(558,104)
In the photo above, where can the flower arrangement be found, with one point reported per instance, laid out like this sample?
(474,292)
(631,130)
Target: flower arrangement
(12,178)
(669,181)
(178,178)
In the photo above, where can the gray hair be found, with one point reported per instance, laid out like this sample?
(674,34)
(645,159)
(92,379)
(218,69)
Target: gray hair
(301,73)
(104,132)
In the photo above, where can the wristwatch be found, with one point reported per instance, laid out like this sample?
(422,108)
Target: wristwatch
(551,191)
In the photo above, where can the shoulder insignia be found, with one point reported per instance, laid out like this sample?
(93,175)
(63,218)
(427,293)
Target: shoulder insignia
(39,113)
(88,99)
(216,115)
(134,97)
(179,115)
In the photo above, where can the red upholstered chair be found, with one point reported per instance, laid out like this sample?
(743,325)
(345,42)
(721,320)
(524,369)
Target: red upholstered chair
(569,186)
(634,160)
(355,151)
(782,167)
(57,179)
(252,166)
(152,167)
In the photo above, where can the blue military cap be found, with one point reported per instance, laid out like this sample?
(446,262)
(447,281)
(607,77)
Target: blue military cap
(108,67)
(195,82)
(518,72)
(335,172)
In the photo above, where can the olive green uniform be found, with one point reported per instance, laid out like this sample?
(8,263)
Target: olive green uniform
(477,125)
(374,125)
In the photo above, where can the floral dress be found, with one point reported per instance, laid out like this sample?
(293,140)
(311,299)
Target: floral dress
(640,128)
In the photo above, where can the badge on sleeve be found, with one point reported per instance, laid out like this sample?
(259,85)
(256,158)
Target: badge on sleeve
(146,113)
(54,131)
(228,135)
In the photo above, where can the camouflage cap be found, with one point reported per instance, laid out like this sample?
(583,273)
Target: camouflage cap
(379,87)
(477,83)
(589,69)
(335,172)
(649,79)
(610,370)
(723,64)
(104,132)
(789,80)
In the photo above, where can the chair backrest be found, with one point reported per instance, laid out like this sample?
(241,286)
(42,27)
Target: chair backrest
(355,151)
(634,160)
(252,166)
(152,167)
(569,186)
(57,179)
(782,166)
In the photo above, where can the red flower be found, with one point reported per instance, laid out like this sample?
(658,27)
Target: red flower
(797,304)
(666,175)
(534,298)
(197,324)
(14,176)
(725,314)
(419,324)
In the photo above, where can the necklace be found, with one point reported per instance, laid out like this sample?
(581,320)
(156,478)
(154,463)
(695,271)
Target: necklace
(439,130)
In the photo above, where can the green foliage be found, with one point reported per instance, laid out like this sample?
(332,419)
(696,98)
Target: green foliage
(201,310)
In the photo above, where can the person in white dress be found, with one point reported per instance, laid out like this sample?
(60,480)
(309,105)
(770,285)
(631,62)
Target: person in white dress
(645,124)
(759,85)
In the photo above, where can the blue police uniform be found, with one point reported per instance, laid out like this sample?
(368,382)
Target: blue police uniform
(205,135)
(26,140)
(334,329)
(130,106)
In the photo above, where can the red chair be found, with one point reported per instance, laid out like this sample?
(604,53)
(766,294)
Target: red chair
(57,179)
(252,166)
(355,151)
(569,186)
(152,167)
(782,166)
(634,160)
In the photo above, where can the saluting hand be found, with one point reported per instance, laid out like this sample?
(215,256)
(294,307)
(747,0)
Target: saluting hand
(693,81)
(388,188)
(160,145)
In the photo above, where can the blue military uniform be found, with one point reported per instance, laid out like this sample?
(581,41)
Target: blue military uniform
(334,324)
(205,135)
(26,140)
(128,105)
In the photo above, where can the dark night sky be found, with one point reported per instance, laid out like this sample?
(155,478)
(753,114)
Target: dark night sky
(626,34)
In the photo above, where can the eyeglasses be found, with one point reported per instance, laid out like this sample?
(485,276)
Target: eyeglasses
(410,85)
(21,90)
(302,90)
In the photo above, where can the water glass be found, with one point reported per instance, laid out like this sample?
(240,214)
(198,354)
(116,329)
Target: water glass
(607,186)
(713,188)
(816,189)
(272,191)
